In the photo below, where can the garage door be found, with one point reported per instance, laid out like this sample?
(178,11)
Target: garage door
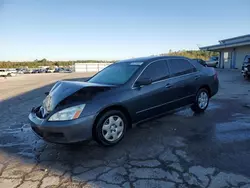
(241,52)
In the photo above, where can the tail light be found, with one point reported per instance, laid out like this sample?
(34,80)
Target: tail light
(215,76)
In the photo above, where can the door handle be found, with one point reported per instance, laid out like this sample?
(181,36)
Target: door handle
(197,77)
(168,85)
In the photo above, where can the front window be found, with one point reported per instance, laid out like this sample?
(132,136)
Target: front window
(116,74)
(156,71)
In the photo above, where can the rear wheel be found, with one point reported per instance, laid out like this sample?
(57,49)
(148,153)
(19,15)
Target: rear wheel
(246,77)
(110,128)
(201,101)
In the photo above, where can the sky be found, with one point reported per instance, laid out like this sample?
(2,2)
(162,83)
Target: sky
(115,29)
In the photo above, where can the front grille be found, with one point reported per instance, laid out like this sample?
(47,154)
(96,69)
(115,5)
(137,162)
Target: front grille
(54,135)
(40,112)
(48,135)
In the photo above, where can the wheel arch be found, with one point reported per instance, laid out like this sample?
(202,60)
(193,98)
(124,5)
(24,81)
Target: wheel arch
(207,88)
(118,107)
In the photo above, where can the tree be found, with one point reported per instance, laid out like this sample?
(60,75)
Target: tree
(193,54)
(44,62)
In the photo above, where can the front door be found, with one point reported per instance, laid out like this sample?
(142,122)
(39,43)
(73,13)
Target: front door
(150,100)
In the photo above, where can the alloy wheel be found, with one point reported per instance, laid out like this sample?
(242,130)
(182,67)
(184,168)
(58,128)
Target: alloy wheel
(113,128)
(203,100)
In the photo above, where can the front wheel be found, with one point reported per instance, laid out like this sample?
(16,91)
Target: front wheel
(110,128)
(201,101)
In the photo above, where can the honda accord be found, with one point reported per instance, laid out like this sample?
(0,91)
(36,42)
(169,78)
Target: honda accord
(121,95)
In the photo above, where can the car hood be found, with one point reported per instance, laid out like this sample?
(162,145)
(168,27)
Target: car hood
(69,91)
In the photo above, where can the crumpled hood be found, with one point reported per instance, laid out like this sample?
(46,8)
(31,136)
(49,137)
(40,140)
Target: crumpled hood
(64,89)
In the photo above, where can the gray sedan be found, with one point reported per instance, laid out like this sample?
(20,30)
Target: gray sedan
(123,94)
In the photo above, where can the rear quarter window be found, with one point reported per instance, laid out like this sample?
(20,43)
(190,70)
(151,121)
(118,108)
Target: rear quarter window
(197,65)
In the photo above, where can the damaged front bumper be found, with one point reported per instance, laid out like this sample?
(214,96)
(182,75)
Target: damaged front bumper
(71,131)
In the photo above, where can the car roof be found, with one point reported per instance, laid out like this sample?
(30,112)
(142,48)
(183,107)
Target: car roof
(148,59)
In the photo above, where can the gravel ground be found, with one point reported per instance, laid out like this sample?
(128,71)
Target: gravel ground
(178,150)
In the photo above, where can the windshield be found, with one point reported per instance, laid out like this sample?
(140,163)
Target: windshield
(116,74)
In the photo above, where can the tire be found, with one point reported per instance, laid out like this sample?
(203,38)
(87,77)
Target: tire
(201,101)
(216,65)
(247,77)
(105,135)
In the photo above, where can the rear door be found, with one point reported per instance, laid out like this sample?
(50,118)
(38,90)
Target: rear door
(149,100)
(184,81)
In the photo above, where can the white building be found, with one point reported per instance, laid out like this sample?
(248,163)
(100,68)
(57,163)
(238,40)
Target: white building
(232,51)
(90,67)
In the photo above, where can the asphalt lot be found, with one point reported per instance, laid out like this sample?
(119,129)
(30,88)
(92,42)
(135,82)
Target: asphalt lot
(178,150)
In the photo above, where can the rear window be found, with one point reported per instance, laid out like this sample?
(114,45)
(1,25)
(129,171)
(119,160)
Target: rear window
(180,67)
(200,61)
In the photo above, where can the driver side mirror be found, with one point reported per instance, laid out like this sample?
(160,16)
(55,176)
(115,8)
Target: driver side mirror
(143,82)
